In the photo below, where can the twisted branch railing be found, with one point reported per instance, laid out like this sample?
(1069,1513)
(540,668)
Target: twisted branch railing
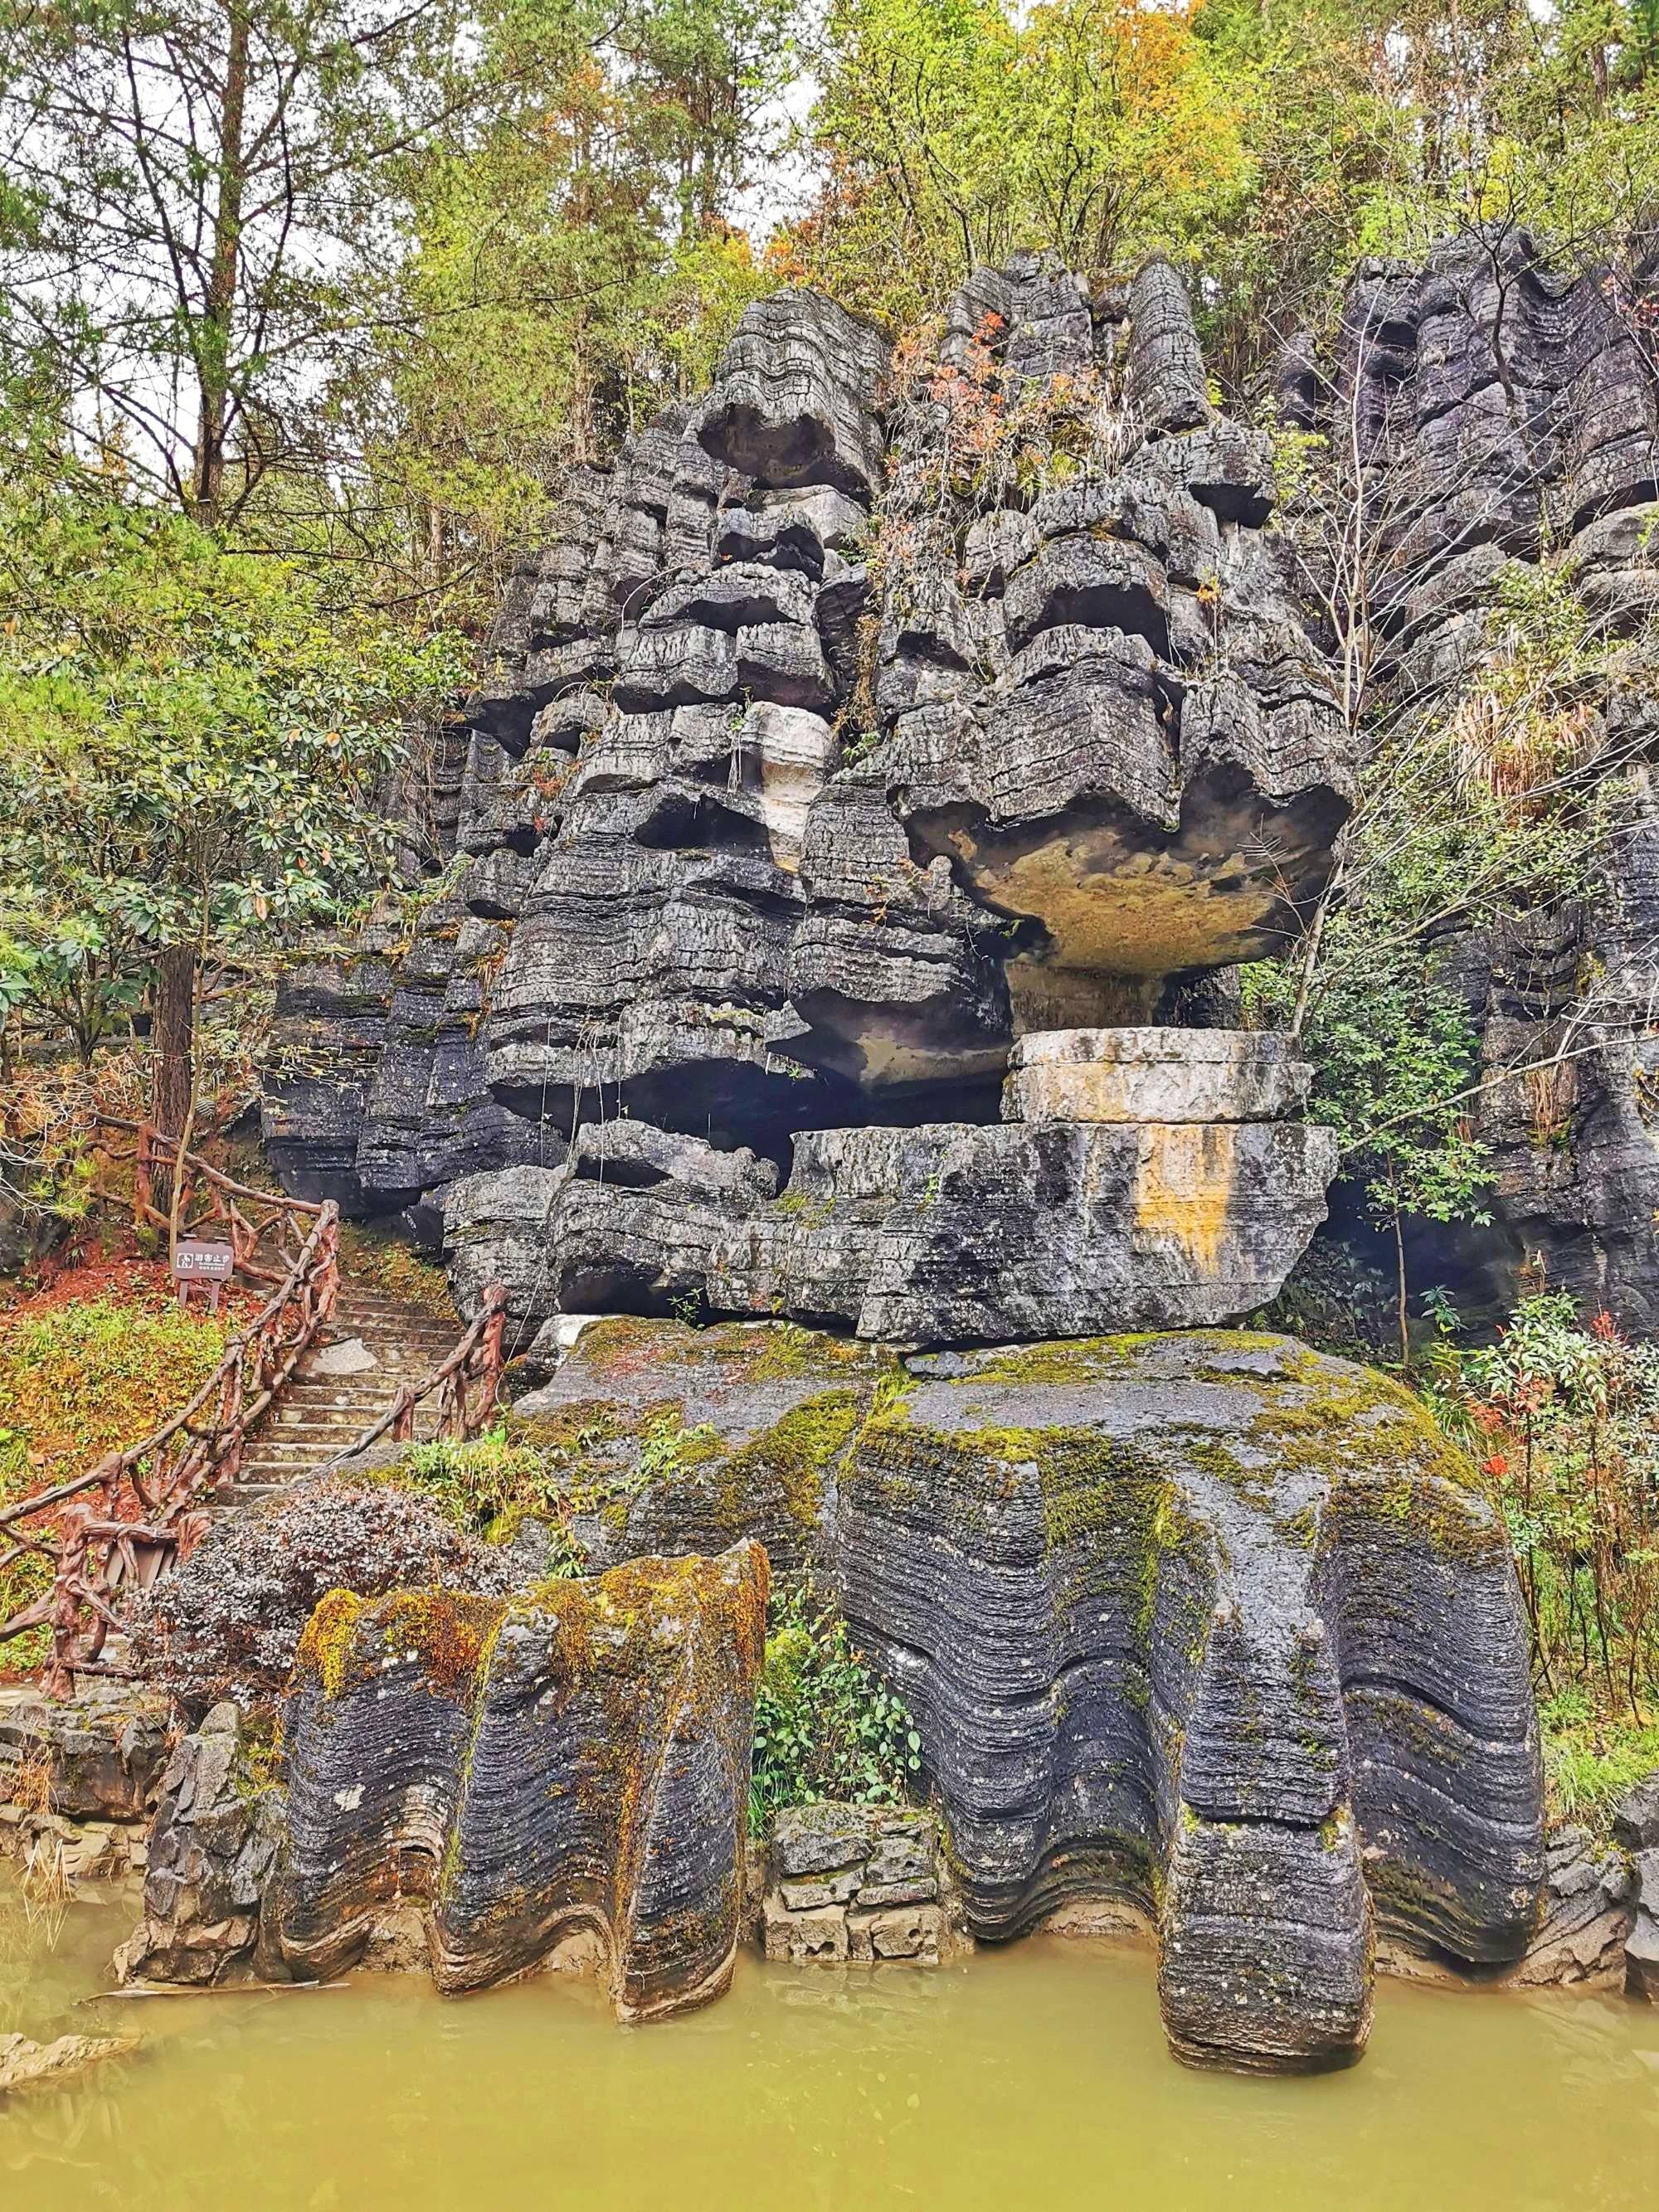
(211,1200)
(148,1509)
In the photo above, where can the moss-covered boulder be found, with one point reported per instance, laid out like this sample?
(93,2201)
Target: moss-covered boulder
(1207,1624)
(571,1763)
(674,1438)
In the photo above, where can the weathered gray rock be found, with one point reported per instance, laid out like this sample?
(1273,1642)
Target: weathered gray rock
(327,1036)
(767,837)
(104,1749)
(922,1236)
(1220,1608)
(678,1438)
(792,401)
(212,1846)
(1507,417)
(1636,1817)
(958,1234)
(1641,1949)
(1587,1916)
(1153,1075)
(26,2065)
(1208,1627)
(576,1759)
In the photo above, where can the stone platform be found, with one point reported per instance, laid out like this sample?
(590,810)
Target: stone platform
(1142,1178)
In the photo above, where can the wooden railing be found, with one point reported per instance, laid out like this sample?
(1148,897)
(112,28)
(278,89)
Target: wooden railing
(253,1222)
(118,1526)
(467,1383)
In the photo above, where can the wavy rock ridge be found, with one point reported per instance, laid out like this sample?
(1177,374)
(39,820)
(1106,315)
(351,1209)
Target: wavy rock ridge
(573,1763)
(1208,1626)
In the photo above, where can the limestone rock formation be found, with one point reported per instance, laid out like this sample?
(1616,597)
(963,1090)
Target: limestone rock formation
(105,1752)
(681,1439)
(212,1846)
(1641,1949)
(572,1763)
(1209,1625)
(1143,1164)
(1507,417)
(807,780)
(1636,1826)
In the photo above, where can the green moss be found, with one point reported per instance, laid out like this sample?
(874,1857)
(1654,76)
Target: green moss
(793,1458)
(450,1633)
(328,1639)
(571,1430)
(1379,1453)
(1069,1360)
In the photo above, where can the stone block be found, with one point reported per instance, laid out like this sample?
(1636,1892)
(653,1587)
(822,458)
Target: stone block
(810,1840)
(1641,1949)
(805,1938)
(916,1889)
(911,1932)
(107,1748)
(809,1896)
(1149,1074)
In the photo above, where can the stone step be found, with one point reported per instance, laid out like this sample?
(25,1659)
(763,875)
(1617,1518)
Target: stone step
(319,1415)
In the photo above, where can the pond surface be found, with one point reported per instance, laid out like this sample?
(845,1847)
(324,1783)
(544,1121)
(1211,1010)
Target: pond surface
(1033,2076)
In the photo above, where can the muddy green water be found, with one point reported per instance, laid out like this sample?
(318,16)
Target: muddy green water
(1033,2076)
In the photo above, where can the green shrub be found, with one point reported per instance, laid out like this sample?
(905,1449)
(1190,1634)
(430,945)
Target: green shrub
(487,1487)
(1592,1758)
(826,1726)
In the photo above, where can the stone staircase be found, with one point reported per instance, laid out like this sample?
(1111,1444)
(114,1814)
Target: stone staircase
(375,1344)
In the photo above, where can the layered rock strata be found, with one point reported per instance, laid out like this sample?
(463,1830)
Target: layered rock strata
(1149,1167)
(1209,1626)
(569,1766)
(806,777)
(1507,418)
(211,1852)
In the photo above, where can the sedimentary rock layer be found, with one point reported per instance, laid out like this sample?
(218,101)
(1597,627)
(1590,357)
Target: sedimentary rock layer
(1132,1160)
(1209,1625)
(572,1762)
(1507,418)
(804,777)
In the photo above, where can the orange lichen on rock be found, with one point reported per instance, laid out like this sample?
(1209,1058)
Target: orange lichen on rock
(1184,1182)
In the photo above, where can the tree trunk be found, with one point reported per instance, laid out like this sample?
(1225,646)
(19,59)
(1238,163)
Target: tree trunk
(1400,1292)
(173,1085)
(214,343)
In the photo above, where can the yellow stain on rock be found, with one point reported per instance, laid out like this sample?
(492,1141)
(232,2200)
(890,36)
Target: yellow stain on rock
(1184,1187)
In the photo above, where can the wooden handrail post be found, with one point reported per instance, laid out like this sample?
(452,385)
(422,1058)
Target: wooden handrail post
(489,1357)
(59,1682)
